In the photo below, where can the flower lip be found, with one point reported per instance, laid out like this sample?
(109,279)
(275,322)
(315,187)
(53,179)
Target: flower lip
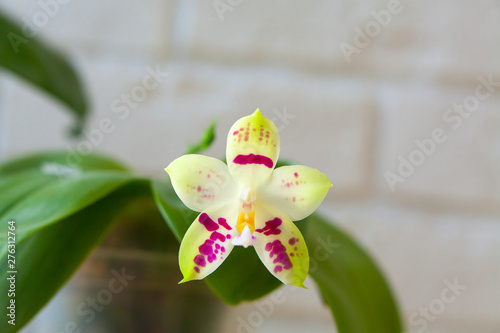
(246,220)
(245,238)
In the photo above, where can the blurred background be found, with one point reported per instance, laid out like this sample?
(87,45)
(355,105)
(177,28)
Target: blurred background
(398,102)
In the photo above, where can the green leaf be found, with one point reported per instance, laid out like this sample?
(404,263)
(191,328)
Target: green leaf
(63,160)
(173,211)
(350,282)
(242,276)
(39,64)
(59,200)
(207,138)
(46,259)
(15,187)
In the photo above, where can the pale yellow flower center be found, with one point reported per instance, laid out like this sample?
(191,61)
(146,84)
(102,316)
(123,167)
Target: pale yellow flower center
(246,217)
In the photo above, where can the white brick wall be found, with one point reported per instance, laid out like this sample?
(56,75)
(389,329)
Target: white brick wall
(353,120)
(124,28)
(466,150)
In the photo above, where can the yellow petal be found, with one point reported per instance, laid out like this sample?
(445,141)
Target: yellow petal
(253,146)
(202,181)
(280,246)
(296,190)
(207,243)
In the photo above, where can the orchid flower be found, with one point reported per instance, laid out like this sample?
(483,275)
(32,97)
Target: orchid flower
(247,203)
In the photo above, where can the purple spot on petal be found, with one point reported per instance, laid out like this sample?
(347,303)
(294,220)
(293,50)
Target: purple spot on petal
(222,222)
(196,269)
(217,236)
(271,227)
(206,248)
(254,159)
(278,249)
(222,249)
(228,236)
(292,241)
(296,175)
(278,269)
(282,258)
(211,258)
(200,260)
(217,246)
(209,224)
